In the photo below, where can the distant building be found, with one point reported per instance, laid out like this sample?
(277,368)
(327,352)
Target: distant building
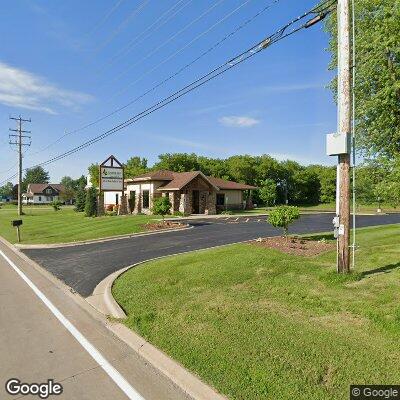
(42,193)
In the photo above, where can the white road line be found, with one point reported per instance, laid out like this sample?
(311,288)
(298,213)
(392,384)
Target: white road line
(122,383)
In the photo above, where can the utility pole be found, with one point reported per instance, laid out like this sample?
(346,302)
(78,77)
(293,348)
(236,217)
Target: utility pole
(344,128)
(18,140)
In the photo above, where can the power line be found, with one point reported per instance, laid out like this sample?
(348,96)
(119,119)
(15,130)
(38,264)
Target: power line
(210,49)
(170,57)
(139,38)
(153,51)
(322,10)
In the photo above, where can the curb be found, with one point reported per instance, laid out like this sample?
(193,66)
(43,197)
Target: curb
(100,240)
(187,382)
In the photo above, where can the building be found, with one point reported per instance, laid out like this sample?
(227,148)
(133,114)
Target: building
(111,199)
(189,192)
(42,193)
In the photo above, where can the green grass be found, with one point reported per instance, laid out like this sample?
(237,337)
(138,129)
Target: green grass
(328,207)
(260,324)
(42,224)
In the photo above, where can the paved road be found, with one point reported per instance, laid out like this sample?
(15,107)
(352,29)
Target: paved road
(83,267)
(35,346)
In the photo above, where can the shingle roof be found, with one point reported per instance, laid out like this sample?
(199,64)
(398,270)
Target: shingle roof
(177,180)
(39,187)
(229,185)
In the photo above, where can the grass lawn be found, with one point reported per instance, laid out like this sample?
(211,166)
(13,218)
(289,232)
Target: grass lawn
(42,224)
(259,324)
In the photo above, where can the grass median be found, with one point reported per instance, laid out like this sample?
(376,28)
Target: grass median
(256,323)
(41,224)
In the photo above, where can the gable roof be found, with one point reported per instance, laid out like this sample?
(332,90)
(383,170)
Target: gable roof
(177,180)
(39,187)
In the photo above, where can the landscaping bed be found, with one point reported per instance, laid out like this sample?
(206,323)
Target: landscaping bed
(258,323)
(295,245)
(156,226)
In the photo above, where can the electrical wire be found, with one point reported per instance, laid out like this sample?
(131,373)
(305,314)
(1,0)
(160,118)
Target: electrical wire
(156,49)
(139,38)
(221,69)
(156,86)
(170,57)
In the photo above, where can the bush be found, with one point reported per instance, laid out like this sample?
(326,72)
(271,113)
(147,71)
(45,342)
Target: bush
(56,204)
(91,203)
(161,206)
(227,212)
(283,216)
(178,214)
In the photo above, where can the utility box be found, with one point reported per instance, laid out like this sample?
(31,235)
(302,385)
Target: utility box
(337,143)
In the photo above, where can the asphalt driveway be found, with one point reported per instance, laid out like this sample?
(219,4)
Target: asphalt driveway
(83,267)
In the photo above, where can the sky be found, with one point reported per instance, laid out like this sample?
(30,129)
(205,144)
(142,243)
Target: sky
(66,64)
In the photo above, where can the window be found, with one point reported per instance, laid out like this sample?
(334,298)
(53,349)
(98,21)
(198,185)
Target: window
(220,199)
(146,199)
(132,198)
(40,198)
(116,198)
(48,191)
(49,198)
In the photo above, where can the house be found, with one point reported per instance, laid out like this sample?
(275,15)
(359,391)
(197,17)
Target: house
(42,193)
(189,192)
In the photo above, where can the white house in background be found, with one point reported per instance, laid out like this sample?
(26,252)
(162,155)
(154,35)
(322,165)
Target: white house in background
(110,198)
(42,193)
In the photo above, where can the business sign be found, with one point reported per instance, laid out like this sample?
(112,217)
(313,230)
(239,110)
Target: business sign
(111,178)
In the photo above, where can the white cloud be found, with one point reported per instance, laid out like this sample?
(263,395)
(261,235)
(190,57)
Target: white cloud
(237,121)
(20,88)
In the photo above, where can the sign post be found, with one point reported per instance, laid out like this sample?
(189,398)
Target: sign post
(111,179)
(17,223)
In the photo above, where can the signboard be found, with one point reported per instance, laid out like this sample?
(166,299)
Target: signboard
(111,178)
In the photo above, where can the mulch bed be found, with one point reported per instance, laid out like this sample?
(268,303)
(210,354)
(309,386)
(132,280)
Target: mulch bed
(294,245)
(155,226)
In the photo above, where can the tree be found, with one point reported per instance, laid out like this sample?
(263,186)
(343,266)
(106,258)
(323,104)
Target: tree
(56,204)
(378,75)
(135,166)
(267,192)
(161,206)
(68,195)
(6,190)
(80,199)
(91,202)
(283,216)
(35,175)
(178,162)
(94,174)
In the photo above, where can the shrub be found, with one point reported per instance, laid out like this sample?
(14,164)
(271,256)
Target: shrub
(161,206)
(91,203)
(283,216)
(227,212)
(178,214)
(56,204)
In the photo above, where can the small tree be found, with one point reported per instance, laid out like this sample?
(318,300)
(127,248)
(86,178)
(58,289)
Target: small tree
(56,204)
(80,200)
(91,202)
(161,206)
(267,192)
(283,216)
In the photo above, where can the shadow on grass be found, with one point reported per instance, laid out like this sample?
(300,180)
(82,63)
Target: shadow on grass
(384,270)
(319,236)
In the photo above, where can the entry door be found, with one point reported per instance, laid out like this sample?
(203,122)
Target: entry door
(196,202)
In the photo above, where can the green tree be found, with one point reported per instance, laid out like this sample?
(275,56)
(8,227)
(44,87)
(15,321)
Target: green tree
(267,192)
(135,166)
(177,162)
(378,74)
(91,202)
(35,175)
(94,174)
(56,204)
(283,216)
(80,199)
(161,206)
(6,190)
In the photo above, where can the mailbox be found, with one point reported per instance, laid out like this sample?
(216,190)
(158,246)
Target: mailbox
(16,222)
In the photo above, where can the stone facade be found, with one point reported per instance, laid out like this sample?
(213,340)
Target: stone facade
(123,206)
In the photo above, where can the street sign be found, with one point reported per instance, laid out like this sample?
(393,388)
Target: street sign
(16,222)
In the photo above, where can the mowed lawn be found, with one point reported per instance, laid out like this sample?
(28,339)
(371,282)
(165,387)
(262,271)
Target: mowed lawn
(259,324)
(42,224)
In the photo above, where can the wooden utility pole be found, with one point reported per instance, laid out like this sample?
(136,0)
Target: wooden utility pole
(18,140)
(344,128)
